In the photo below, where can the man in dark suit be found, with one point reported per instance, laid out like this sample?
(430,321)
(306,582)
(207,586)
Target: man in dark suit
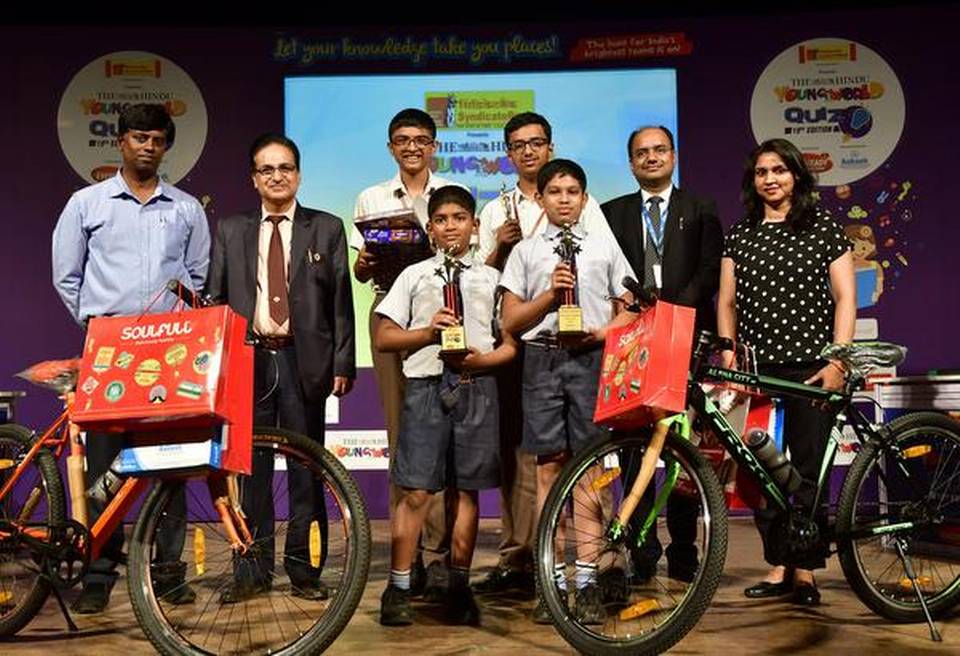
(284,268)
(674,240)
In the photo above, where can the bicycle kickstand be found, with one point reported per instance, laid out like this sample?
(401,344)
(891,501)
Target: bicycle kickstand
(71,626)
(912,575)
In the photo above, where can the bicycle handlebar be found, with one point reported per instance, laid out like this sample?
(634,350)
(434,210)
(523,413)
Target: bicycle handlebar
(186,294)
(644,298)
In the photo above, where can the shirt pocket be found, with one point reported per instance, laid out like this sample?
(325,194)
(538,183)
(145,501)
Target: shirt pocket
(172,233)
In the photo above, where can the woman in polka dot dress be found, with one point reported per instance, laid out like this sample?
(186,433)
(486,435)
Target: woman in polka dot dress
(787,289)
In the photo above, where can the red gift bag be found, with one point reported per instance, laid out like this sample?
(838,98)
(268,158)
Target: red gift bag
(646,365)
(171,378)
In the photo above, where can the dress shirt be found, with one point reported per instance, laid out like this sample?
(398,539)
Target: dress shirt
(263,323)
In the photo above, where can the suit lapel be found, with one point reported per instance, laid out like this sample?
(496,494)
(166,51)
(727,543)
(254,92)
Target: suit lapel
(251,247)
(299,241)
(634,222)
(675,219)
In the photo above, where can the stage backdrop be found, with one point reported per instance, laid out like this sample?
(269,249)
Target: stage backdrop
(870,110)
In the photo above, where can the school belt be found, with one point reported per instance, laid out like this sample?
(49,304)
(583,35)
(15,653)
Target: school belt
(552,342)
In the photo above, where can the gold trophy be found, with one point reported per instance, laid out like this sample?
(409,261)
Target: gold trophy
(453,339)
(570,314)
(506,200)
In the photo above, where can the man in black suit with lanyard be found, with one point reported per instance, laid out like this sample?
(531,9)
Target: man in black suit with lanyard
(674,240)
(284,268)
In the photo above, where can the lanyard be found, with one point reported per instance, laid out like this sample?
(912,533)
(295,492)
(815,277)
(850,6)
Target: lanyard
(654,235)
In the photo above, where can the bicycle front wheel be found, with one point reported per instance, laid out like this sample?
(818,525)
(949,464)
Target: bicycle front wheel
(34,505)
(296,587)
(635,607)
(915,483)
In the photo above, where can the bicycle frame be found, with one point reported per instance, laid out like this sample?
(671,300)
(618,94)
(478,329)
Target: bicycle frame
(61,434)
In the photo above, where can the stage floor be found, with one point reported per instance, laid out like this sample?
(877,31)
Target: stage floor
(840,625)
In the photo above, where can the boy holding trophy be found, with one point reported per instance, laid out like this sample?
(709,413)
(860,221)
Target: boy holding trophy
(557,291)
(441,313)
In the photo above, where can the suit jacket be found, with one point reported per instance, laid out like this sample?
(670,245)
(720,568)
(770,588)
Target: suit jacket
(692,245)
(320,296)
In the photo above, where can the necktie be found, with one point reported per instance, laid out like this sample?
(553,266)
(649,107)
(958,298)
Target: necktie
(277,274)
(652,252)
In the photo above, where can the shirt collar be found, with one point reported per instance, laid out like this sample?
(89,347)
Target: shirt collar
(288,214)
(552,230)
(400,191)
(121,188)
(665,195)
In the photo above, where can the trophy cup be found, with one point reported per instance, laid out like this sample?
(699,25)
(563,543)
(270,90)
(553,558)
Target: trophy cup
(569,314)
(453,339)
(507,201)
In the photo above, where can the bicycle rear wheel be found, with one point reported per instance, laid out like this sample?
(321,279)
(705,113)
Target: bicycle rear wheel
(276,611)
(917,482)
(643,611)
(36,500)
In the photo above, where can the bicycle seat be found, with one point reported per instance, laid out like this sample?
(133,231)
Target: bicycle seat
(860,358)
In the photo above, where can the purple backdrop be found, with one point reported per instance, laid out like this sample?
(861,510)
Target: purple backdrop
(242,84)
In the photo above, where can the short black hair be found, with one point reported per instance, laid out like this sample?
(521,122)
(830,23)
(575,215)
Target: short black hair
(523,119)
(269,138)
(412,118)
(451,194)
(146,117)
(557,167)
(644,128)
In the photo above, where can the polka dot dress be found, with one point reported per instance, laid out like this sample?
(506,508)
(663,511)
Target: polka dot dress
(784,306)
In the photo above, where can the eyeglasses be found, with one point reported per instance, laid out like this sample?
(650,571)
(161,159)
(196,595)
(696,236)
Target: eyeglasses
(644,153)
(520,145)
(285,170)
(402,141)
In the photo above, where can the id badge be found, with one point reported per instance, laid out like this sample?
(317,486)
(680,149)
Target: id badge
(657,277)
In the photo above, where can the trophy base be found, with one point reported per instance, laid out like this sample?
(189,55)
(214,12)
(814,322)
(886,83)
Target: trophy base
(453,340)
(570,321)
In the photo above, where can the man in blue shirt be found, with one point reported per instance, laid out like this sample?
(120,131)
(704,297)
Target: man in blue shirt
(115,246)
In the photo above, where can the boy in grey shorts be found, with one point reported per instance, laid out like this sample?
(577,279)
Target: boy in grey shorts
(449,424)
(560,376)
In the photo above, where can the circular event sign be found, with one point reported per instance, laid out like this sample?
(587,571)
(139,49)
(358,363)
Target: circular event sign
(838,101)
(92,102)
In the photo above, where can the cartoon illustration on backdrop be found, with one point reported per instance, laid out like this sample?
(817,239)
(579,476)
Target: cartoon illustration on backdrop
(876,214)
(868,270)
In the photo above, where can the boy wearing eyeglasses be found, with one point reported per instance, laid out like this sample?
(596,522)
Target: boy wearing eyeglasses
(504,221)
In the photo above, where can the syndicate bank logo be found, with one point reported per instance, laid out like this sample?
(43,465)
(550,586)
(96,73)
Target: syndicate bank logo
(154,331)
(854,160)
(827,52)
(476,110)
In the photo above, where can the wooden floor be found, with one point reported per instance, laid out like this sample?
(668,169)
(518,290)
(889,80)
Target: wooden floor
(840,625)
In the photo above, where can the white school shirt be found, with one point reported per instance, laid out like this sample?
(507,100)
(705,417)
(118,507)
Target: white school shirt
(533,220)
(417,295)
(601,267)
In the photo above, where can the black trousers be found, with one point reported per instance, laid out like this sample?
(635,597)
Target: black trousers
(101,449)
(681,524)
(806,430)
(279,401)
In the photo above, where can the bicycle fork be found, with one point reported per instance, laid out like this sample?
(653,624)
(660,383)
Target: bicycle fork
(225,493)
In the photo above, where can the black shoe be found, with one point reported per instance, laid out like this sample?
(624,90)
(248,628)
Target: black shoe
(395,607)
(437,581)
(805,594)
(613,585)
(765,589)
(461,607)
(310,590)
(169,585)
(589,605)
(93,599)
(500,580)
(418,577)
(682,572)
(243,590)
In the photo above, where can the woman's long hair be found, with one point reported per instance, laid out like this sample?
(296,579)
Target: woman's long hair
(802,205)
